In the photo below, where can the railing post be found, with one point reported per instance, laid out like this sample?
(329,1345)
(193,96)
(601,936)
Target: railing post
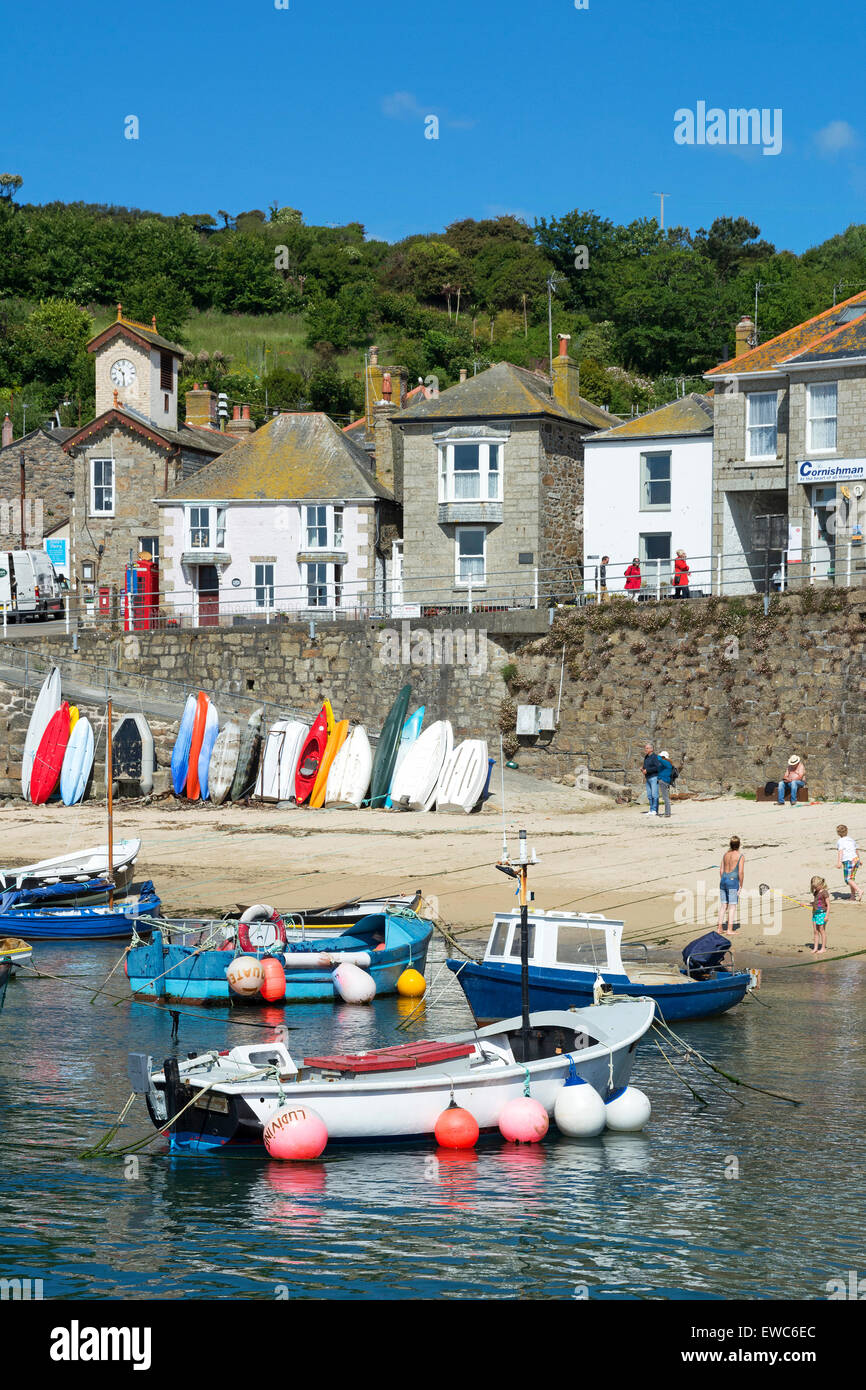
(848,579)
(658,579)
(535,588)
(470,597)
(65,613)
(719,580)
(783,574)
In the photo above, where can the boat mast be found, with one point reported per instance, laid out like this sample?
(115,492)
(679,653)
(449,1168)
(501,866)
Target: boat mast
(520,871)
(109,772)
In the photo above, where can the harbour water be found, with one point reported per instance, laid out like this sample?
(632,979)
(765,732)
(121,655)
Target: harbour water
(762,1201)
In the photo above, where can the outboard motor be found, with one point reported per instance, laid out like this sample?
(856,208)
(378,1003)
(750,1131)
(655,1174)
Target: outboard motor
(705,953)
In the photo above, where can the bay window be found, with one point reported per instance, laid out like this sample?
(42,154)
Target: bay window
(470,472)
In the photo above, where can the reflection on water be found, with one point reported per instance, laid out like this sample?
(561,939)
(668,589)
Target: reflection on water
(621,1216)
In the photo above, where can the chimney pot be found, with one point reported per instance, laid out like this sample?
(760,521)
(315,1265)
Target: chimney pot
(246,413)
(564,340)
(463,373)
(7,430)
(236,412)
(386,386)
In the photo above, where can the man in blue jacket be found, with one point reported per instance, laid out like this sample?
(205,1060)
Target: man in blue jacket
(666,777)
(651,777)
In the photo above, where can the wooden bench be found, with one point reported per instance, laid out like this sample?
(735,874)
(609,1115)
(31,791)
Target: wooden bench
(761,794)
(402,1058)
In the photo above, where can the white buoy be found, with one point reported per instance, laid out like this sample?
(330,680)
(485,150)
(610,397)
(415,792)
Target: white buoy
(245,975)
(579,1110)
(353,984)
(627,1110)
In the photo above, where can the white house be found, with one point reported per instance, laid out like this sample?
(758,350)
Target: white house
(647,493)
(292,519)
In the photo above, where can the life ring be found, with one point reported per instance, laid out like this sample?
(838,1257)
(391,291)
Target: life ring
(261,913)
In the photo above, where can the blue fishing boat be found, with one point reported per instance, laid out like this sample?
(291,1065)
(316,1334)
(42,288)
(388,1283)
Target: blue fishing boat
(576,957)
(30,913)
(179,965)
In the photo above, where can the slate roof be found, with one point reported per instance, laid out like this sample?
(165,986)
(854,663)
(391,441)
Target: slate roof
(503,391)
(59,436)
(148,336)
(799,344)
(294,457)
(691,414)
(187,437)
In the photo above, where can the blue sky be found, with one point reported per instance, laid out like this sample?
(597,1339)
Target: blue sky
(542,108)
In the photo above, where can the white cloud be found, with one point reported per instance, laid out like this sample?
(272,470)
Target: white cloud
(835,137)
(405,106)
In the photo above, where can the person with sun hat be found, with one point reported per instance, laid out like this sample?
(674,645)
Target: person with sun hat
(794,779)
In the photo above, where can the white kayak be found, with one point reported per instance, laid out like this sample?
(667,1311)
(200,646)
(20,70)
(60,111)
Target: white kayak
(463,777)
(224,762)
(414,787)
(80,865)
(77,762)
(47,705)
(349,777)
(294,738)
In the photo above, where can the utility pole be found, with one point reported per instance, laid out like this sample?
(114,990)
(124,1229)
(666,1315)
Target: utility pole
(525,327)
(551,291)
(759,285)
(23,528)
(662,196)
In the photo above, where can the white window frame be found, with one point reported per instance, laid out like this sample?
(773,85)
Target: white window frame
(812,419)
(474,582)
(755,396)
(263,586)
(196,528)
(487,476)
(316,583)
(102,486)
(150,545)
(646,458)
(319,526)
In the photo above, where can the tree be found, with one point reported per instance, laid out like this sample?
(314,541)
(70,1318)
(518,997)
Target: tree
(430,265)
(9,185)
(160,298)
(52,344)
(731,243)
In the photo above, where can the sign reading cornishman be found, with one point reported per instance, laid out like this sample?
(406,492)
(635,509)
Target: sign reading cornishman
(830,471)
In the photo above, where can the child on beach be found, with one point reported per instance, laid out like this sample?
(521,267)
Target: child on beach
(820,912)
(848,860)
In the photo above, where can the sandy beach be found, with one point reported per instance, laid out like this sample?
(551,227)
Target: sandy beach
(660,876)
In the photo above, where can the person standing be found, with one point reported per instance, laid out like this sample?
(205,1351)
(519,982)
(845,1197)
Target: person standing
(794,779)
(820,913)
(602,579)
(731,874)
(633,578)
(666,777)
(848,860)
(681,575)
(651,779)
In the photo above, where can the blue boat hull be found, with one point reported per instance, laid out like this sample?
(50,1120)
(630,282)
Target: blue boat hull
(178,973)
(493,991)
(81,924)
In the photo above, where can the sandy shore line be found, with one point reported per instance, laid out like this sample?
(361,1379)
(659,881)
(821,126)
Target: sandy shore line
(660,876)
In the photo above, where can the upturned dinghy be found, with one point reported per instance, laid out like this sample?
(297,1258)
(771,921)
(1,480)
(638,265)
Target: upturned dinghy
(248,758)
(350,772)
(223,763)
(133,752)
(392,1093)
(77,763)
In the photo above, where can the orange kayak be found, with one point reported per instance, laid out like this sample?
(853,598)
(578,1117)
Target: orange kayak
(334,744)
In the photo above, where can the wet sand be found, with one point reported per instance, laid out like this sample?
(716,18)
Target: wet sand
(660,876)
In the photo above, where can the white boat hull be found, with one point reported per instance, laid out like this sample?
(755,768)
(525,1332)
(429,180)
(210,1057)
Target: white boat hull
(464,775)
(349,777)
(414,789)
(47,705)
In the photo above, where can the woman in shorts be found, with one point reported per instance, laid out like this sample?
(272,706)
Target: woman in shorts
(730,882)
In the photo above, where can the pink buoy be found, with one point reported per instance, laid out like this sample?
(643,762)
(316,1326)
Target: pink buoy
(456,1129)
(295,1132)
(524,1121)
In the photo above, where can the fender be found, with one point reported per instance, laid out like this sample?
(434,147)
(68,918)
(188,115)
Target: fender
(259,912)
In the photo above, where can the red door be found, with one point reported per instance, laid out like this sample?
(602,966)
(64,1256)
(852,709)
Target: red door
(208,596)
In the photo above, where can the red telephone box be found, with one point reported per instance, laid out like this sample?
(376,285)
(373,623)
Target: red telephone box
(142,595)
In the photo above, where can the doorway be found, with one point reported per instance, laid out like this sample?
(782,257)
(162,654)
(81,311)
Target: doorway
(823,539)
(208,586)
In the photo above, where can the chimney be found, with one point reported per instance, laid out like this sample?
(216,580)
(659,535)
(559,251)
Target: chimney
(241,423)
(463,375)
(388,447)
(7,432)
(386,387)
(744,335)
(201,408)
(565,374)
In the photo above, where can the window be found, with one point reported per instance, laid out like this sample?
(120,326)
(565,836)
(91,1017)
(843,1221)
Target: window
(263,579)
(102,488)
(317,528)
(470,472)
(199,528)
(338,586)
(515,941)
(150,546)
(166,372)
(471,543)
(497,946)
(220,528)
(761,424)
(655,556)
(655,482)
(821,409)
(338,528)
(317,585)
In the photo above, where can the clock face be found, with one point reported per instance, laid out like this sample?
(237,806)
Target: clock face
(123,372)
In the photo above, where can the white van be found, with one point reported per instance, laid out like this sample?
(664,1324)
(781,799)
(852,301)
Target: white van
(29,587)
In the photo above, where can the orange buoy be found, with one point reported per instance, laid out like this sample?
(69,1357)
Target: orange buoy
(274,984)
(456,1128)
(295,1132)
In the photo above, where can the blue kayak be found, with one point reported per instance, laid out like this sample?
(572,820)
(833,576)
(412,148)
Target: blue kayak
(183,742)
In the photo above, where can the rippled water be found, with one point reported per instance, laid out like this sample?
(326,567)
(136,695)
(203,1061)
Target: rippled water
(630,1216)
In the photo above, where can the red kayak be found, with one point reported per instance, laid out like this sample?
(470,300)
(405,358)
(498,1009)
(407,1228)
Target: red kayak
(49,756)
(311,756)
(193,790)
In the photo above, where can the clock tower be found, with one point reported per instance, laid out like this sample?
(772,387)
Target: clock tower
(137,370)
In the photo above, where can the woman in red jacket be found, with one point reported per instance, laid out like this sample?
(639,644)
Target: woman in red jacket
(632,578)
(681,575)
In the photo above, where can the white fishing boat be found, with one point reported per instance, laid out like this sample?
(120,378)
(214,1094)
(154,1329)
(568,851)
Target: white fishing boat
(393,1093)
(463,777)
(77,866)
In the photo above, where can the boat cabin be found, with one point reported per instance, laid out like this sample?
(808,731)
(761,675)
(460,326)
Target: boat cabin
(560,940)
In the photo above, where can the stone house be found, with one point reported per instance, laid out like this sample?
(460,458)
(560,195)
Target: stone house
(47,484)
(131,451)
(290,519)
(790,445)
(491,480)
(648,492)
